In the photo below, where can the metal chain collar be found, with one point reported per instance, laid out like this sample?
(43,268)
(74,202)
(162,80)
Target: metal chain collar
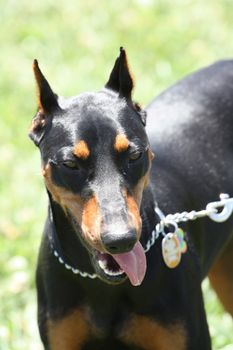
(211,210)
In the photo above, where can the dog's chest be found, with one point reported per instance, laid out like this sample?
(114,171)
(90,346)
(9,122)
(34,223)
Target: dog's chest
(85,328)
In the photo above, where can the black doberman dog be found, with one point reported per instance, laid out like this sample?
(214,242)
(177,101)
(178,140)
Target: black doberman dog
(97,288)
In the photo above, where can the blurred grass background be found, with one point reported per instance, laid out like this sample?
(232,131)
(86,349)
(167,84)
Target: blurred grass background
(76,43)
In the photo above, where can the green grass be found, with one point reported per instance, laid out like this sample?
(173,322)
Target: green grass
(76,43)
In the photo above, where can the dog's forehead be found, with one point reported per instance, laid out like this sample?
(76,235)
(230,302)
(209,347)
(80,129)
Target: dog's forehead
(90,106)
(96,120)
(97,117)
(89,117)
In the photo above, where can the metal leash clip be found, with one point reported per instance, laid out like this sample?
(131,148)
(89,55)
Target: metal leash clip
(226,203)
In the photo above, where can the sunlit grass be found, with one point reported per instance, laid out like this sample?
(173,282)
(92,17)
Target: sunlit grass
(76,43)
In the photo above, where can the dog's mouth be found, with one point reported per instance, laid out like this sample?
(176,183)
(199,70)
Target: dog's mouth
(108,265)
(115,268)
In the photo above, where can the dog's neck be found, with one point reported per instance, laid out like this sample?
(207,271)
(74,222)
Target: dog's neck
(65,239)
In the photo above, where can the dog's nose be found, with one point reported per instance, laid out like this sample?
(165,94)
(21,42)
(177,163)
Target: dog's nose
(119,243)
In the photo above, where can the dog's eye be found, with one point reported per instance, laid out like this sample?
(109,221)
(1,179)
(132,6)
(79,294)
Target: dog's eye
(135,156)
(71,164)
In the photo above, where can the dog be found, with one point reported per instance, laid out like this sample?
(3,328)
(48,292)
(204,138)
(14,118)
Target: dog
(106,162)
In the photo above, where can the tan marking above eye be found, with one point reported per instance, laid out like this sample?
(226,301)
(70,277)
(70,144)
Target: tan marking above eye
(81,150)
(121,143)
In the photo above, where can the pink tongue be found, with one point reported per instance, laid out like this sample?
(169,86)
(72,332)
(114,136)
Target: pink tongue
(133,264)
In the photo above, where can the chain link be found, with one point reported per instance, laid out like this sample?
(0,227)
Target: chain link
(211,211)
(154,236)
(75,271)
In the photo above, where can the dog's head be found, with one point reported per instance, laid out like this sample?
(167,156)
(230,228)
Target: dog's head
(95,162)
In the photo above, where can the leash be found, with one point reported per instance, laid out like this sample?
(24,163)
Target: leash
(173,243)
(211,210)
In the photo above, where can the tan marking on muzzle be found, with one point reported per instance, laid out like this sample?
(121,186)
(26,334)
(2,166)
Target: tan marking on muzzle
(81,150)
(134,214)
(134,200)
(65,198)
(91,223)
(121,143)
(86,214)
(139,188)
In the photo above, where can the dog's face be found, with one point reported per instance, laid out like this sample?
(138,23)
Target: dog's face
(95,163)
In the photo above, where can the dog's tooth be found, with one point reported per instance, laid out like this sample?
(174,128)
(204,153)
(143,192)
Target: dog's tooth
(102,264)
(112,273)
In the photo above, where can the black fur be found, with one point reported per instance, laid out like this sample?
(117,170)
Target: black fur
(190,130)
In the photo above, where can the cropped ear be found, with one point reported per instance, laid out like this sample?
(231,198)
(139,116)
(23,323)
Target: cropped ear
(120,79)
(47,100)
(47,103)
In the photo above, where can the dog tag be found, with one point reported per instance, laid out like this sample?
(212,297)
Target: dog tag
(183,244)
(171,250)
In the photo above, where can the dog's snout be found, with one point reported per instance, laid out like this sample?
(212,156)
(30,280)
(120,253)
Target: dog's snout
(116,243)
